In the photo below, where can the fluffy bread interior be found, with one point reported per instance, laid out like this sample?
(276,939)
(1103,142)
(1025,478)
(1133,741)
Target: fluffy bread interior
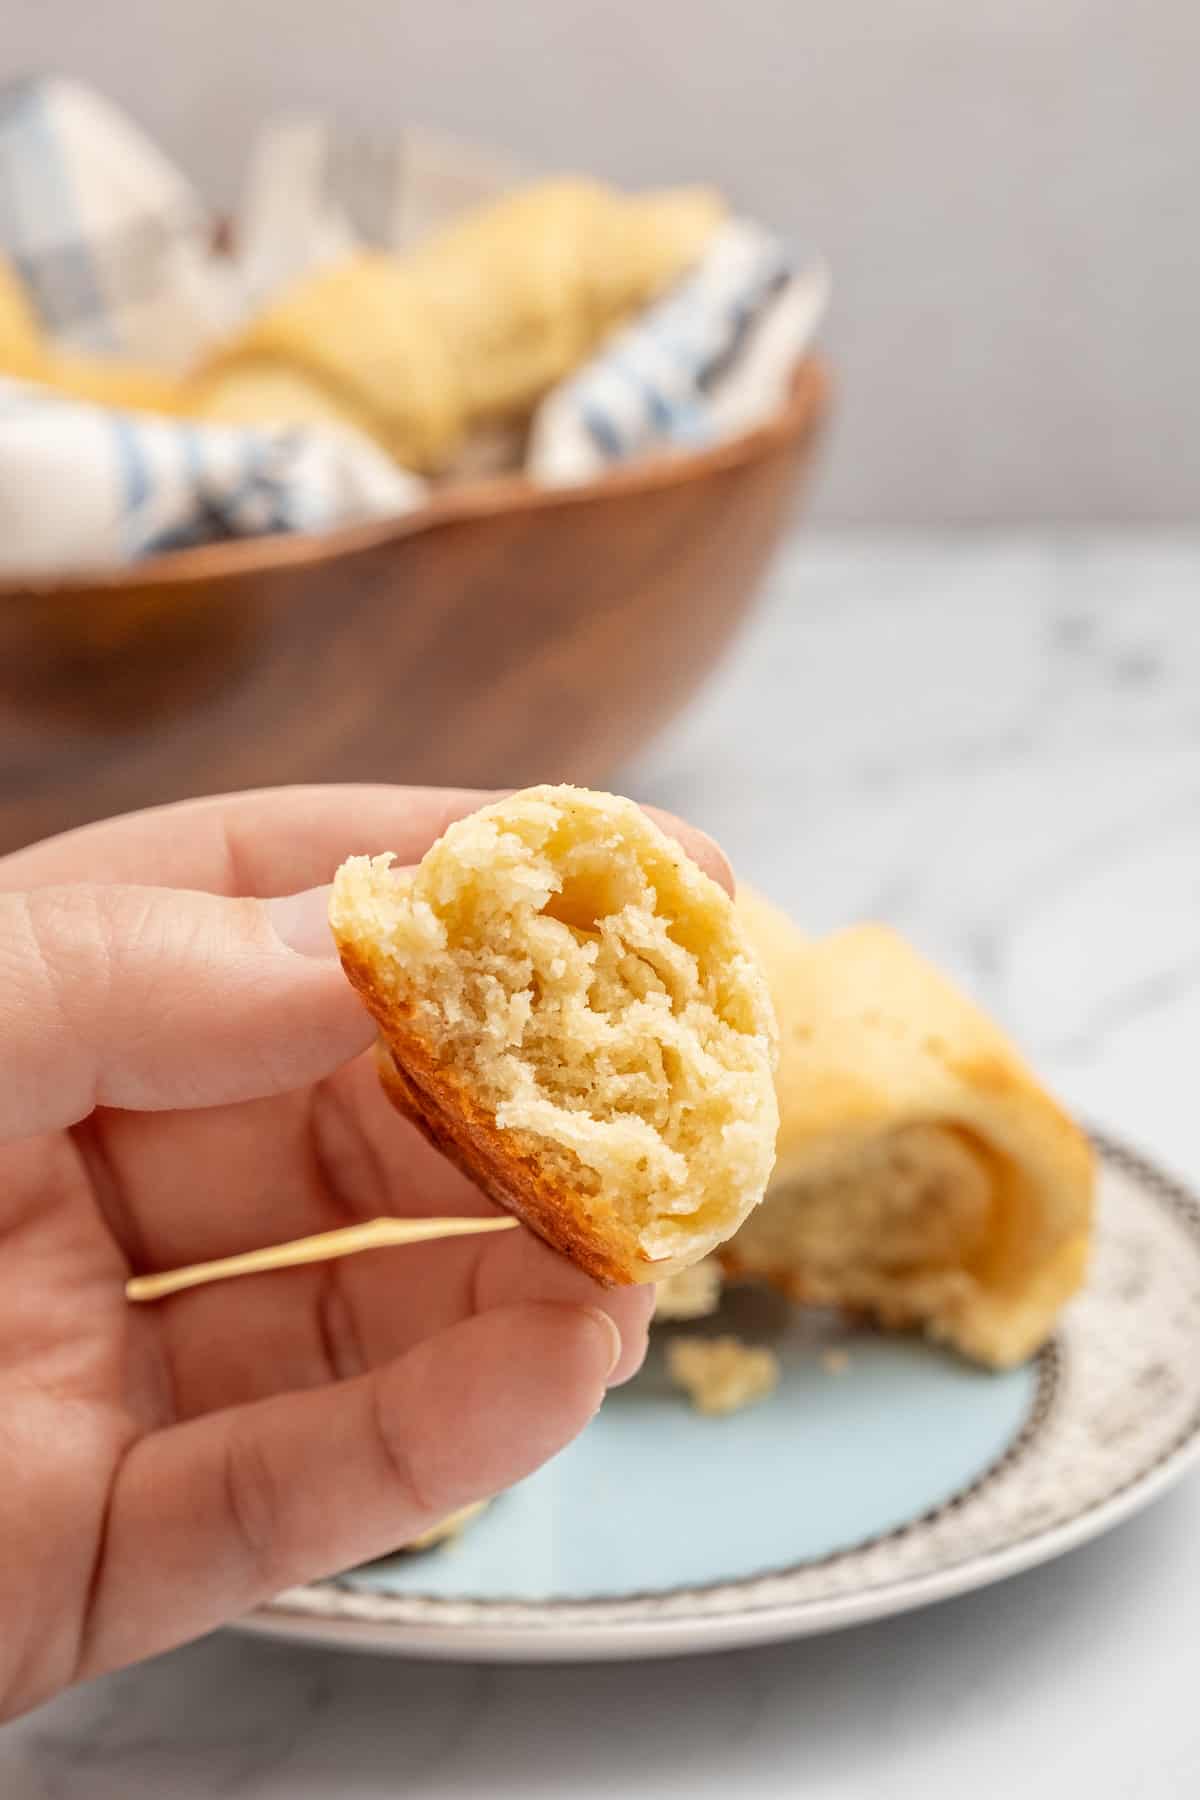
(898,1224)
(578,982)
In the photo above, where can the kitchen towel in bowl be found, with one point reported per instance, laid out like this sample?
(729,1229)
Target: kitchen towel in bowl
(713,357)
(92,487)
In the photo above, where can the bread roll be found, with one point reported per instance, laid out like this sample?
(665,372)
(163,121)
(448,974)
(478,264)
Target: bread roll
(923,1175)
(569,1010)
(466,331)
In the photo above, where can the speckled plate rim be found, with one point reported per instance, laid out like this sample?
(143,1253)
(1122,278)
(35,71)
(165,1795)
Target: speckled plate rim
(762,1608)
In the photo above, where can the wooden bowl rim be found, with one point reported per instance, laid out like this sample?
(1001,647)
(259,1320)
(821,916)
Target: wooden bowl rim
(479,499)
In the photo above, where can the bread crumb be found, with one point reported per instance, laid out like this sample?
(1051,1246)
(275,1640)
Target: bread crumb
(693,1293)
(446,1529)
(721,1375)
(835,1362)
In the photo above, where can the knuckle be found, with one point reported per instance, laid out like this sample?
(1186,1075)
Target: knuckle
(396,1457)
(256,1508)
(55,994)
(71,943)
(92,968)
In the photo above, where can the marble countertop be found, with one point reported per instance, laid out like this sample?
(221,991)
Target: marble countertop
(994,742)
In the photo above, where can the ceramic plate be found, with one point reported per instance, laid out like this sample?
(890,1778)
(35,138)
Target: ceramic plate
(902,1477)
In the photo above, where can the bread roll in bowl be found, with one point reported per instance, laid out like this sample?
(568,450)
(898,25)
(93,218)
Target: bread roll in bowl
(469,328)
(570,1011)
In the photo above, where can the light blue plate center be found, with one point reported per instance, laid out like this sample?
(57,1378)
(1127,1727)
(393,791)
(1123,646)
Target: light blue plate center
(655,1496)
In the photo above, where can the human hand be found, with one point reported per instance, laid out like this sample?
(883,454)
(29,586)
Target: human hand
(182,1076)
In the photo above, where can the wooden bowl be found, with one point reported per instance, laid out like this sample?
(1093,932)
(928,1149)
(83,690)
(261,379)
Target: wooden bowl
(503,634)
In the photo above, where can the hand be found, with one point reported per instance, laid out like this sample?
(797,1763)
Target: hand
(182,1076)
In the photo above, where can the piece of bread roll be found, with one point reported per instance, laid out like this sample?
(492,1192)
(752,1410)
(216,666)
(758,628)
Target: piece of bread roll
(722,1374)
(468,330)
(923,1175)
(569,1010)
(692,1293)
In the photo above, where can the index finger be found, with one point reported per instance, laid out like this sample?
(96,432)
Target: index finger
(272,841)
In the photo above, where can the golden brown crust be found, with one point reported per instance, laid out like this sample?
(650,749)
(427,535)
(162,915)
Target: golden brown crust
(504,1167)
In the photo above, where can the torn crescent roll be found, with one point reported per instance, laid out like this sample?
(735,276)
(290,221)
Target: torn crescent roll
(569,1010)
(923,1175)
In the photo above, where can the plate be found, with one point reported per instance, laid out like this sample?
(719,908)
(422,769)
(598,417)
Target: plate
(871,1482)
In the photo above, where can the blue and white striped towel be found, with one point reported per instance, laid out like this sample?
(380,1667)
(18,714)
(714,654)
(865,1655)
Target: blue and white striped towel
(81,487)
(714,356)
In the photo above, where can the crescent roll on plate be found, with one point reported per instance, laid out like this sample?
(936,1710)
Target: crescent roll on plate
(923,1175)
(569,1009)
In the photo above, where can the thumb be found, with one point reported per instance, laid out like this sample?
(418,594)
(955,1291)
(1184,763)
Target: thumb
(149,998)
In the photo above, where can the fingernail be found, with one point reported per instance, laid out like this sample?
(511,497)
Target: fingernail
(614,1337)
(301,921)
